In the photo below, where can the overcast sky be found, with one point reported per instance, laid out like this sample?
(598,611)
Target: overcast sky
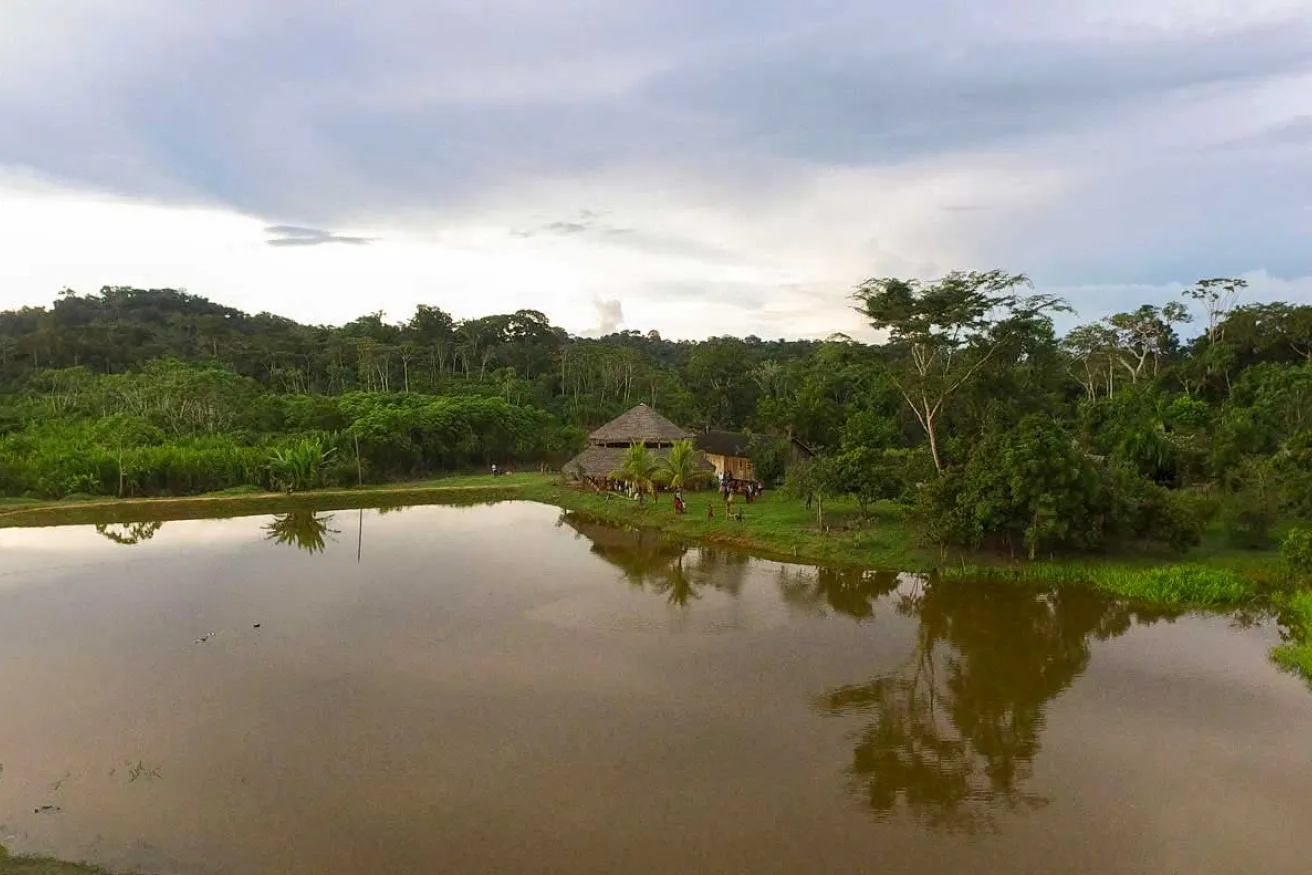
(693,166)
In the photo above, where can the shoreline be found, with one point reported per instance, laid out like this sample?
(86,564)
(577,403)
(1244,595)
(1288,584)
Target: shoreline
(772,528)
(39,865)
(1209,577)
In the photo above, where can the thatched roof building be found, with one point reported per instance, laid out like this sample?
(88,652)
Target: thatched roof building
(641,425)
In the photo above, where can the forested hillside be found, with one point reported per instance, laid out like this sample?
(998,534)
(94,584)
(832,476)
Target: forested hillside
(975,412)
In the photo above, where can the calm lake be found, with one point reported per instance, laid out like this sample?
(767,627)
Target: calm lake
(508,689)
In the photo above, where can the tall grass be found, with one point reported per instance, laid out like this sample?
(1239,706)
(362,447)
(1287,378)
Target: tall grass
(1169,586)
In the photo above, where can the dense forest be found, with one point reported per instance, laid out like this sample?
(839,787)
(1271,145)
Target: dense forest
(974,411)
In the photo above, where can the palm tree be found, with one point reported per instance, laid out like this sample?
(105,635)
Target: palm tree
(639,467)
(679,468)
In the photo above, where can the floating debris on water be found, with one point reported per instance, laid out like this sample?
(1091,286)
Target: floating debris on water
(142,772)
(47,809)
(202,639)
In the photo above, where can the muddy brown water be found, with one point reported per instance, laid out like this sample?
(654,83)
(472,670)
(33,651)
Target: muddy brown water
(506,689)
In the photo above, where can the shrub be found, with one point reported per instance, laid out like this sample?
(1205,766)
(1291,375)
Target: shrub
(300,465)
(1297,550)
(1252,509)
(1248,518)
(1295,654)
(1172,517)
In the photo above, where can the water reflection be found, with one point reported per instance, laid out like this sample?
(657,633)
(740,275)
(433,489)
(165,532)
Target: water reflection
(304,529)
(848,591)
(951,735)
(652,562)
(129,533)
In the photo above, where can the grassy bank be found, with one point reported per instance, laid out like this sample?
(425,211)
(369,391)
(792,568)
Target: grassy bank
(1212,575)
(88,510)
(774,527)
(44,866)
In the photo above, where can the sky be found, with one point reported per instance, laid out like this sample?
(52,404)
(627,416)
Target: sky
(697,167)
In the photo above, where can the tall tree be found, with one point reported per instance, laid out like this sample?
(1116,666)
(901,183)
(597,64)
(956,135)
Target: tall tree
(947,327)
(1146,335)
(1218,296)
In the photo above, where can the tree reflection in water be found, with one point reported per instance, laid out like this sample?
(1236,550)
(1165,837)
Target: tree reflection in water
(652,562)
(129,533)
(951,736)
(304,529)
(848,591)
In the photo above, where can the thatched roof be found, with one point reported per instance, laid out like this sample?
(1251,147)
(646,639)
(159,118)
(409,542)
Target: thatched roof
(723,443)
(732,443)
(599,462)
(639,424)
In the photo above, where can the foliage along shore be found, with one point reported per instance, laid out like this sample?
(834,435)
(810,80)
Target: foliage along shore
(774,527)
(25,865)
(777,527)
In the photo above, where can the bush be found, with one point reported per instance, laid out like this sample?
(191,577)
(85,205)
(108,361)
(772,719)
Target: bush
(1297,550)
(1174,518)
(1251,511)
(1026,487)
(300,465)
(1248,518)
(1295,654)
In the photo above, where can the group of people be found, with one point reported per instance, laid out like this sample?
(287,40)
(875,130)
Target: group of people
(729,487)
(749,489)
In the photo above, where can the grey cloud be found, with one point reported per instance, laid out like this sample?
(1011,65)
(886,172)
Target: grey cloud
(1295,132)
(594,226)
(584,222)
(294,235)
(834,83)
(855,104)
(402,106)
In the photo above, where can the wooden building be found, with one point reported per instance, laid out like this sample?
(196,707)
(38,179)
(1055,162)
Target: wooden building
(728,452)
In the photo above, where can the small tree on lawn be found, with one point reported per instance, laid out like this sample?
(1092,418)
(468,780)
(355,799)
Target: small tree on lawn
(810,478)
(679,468)
(639,467)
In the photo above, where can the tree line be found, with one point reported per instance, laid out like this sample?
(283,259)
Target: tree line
(972,409)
